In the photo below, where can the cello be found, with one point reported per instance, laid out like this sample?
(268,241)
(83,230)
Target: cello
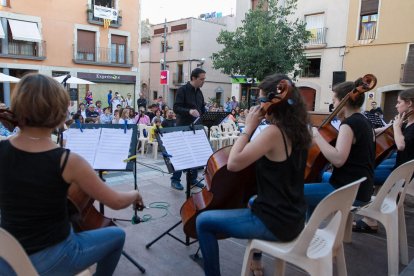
(225,189)
(385,143)
(316,161)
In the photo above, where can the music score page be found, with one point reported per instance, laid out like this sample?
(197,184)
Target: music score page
(188,149)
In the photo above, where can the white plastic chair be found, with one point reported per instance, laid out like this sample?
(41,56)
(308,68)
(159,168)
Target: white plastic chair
(314,249)
(216,136)
(142,139)
(389,212)
(13,253)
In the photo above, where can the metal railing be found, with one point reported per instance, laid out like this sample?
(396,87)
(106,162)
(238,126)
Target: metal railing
(102,55)
(25,49)
(310,73)
(368,30)
(178,79)
(318,36)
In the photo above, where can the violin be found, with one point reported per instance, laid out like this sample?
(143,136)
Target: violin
(225,189)
(316,161)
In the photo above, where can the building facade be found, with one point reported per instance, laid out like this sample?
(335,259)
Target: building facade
(380,40)
(58,37)
(190,43)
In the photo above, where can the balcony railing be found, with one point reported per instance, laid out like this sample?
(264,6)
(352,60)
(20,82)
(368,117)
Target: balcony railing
(99,21)
(407,73)
(368,31)
(318,37)
(24,49)
(310,73)
(178,79)
(102,56)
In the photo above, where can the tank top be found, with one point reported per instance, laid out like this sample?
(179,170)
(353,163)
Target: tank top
(33,195)
(361,158)
(280,202)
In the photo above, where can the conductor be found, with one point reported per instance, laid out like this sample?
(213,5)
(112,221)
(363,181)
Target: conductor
(189,105)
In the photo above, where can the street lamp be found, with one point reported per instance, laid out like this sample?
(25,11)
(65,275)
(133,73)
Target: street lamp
(202,60)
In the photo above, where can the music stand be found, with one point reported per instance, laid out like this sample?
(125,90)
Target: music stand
(210,119)
(172,146)
(131,145)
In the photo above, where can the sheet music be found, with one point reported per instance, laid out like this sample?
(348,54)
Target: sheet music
(188,149)
(113,148)
(103,148)
(84,143)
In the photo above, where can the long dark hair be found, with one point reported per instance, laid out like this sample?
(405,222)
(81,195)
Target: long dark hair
(291,116)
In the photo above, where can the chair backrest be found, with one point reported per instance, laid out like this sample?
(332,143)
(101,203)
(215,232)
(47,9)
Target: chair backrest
(395,184)
(13,253)
(332,211)
(141,128)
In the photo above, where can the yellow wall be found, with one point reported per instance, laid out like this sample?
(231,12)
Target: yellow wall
(383,55)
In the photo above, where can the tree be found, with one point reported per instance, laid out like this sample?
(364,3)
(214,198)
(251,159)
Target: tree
(269,41)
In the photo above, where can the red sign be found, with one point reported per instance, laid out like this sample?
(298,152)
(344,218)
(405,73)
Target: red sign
(164,77)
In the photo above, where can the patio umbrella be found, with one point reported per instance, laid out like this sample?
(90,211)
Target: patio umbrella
(73,80)
(7,78)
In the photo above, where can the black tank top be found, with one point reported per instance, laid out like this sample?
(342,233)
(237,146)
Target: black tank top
(280,201)
(33,195)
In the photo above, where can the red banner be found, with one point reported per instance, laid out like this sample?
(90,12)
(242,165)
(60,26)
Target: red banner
(164,77)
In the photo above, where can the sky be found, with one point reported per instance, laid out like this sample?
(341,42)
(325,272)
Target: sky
(157,10)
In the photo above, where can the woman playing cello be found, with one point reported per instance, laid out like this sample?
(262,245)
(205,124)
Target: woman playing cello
(279,151)
(352,156)
(403,129)
(35,177)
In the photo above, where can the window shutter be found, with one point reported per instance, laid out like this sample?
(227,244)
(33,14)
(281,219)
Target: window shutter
(369,7)
(86,41)
(408,75)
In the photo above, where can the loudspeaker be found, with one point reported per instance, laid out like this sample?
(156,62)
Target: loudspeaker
(338,77)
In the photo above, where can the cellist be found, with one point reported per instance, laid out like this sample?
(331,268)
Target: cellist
(280,152)
(352,156)
(403,130)
(35,176)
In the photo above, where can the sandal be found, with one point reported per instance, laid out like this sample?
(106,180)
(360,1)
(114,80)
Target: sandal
(256,267)
(361,227)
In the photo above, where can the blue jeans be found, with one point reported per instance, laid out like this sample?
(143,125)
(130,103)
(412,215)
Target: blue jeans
(315,192)
(79,251)
(237,223)
(383,170)
(176,176)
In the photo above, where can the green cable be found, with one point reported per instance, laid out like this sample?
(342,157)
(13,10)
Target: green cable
(156,205)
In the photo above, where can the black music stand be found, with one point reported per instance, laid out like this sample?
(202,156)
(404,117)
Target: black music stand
(130,166)
(210,119)
(167,158)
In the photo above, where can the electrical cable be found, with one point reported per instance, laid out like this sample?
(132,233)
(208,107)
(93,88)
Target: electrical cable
(148,217)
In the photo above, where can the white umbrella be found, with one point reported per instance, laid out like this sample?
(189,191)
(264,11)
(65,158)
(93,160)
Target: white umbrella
(73,80)
(7,78)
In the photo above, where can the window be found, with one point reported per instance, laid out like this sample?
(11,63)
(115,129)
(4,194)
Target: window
(312,69)
(316,26)
(5,3)
(181,46)
(105,3)
(159,31)
(180,73)
(368,19)
(154,95)
(407,75)
(162,47)
(118,49)
(23,38)
(178,27)
(86,45)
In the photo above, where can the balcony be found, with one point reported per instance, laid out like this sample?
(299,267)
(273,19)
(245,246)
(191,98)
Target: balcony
(24,50)
(102,56)
(99,21)
(178,79)
(317,38)
(407,73)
